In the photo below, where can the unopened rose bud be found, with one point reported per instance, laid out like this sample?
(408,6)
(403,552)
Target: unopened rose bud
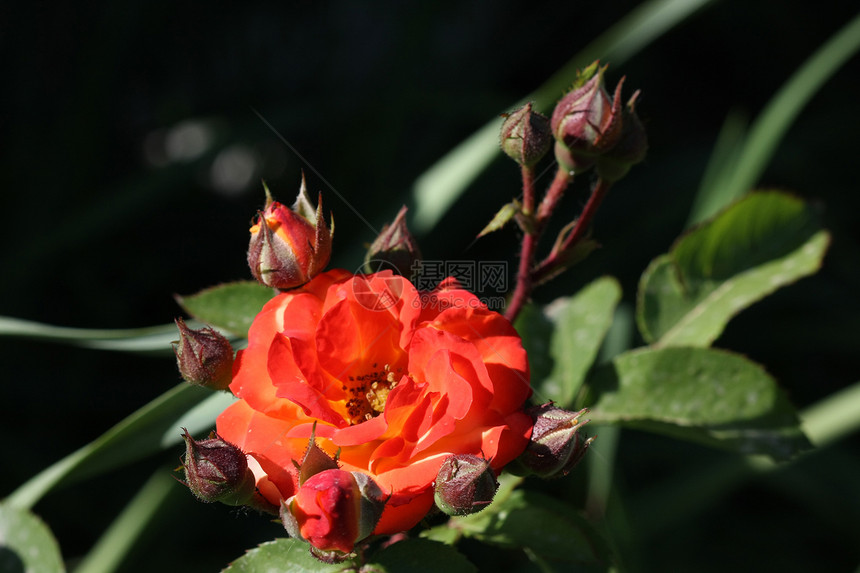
(395,248)
(525,136)
(556,445)
(586,122)
(289,246)
(204,357)
(465,484)
(216,470)
(333,510)
(630,149)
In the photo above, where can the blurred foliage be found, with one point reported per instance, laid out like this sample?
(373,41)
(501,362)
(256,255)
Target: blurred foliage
(130,163)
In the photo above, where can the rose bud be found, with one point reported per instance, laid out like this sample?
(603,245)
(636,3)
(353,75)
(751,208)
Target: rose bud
(586,122)
(289,246)
(332,511)
(204,357)
(630,149)
(525,135)
(465,484)
(556,445)
(216,470)
(394,249)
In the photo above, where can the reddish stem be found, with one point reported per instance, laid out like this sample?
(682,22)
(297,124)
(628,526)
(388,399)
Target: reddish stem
(528,174)
(553,196)
(533,233)
(524,277)
(549,265)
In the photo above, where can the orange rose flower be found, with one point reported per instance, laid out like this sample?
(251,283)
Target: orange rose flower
(393,379)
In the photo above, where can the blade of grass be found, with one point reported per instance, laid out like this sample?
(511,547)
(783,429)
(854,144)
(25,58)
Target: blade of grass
(775,119)
(725,156)
(112,548)
(436,190)
(150,429)
(149,339)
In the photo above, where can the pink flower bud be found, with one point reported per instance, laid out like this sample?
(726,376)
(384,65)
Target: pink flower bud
(586,122)
(289,246)
(525,135)
(216,470)
(204,357)
(465,484)
(332,511)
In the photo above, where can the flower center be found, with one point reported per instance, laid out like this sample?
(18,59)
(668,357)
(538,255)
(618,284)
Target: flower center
(368,393)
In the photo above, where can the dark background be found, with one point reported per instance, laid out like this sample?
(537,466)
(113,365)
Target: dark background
(108,210)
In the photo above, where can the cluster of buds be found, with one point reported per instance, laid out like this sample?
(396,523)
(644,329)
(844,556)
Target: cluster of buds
(332,509)
(590,128)
(289,246)
(593,129)
(556,444)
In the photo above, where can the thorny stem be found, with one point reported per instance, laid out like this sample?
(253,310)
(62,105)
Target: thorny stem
(557,258)
(533,233)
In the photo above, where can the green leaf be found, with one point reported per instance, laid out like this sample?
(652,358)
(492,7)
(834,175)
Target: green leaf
(529,520)
(231,306)
(283,555)
(150,429)
(438,188)
(26,544)
(501,218)
(581,323)
(419,556)
(699,394)
(763,242)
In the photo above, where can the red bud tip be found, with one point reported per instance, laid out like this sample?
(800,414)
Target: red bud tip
(289,246)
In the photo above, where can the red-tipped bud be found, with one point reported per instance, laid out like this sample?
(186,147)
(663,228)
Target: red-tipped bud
(289,246)
(216,470)
(333,510)
(465,484)
(630,149)
(394,249)
(525,135)
(204,357)
(586,122)
(556,445)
